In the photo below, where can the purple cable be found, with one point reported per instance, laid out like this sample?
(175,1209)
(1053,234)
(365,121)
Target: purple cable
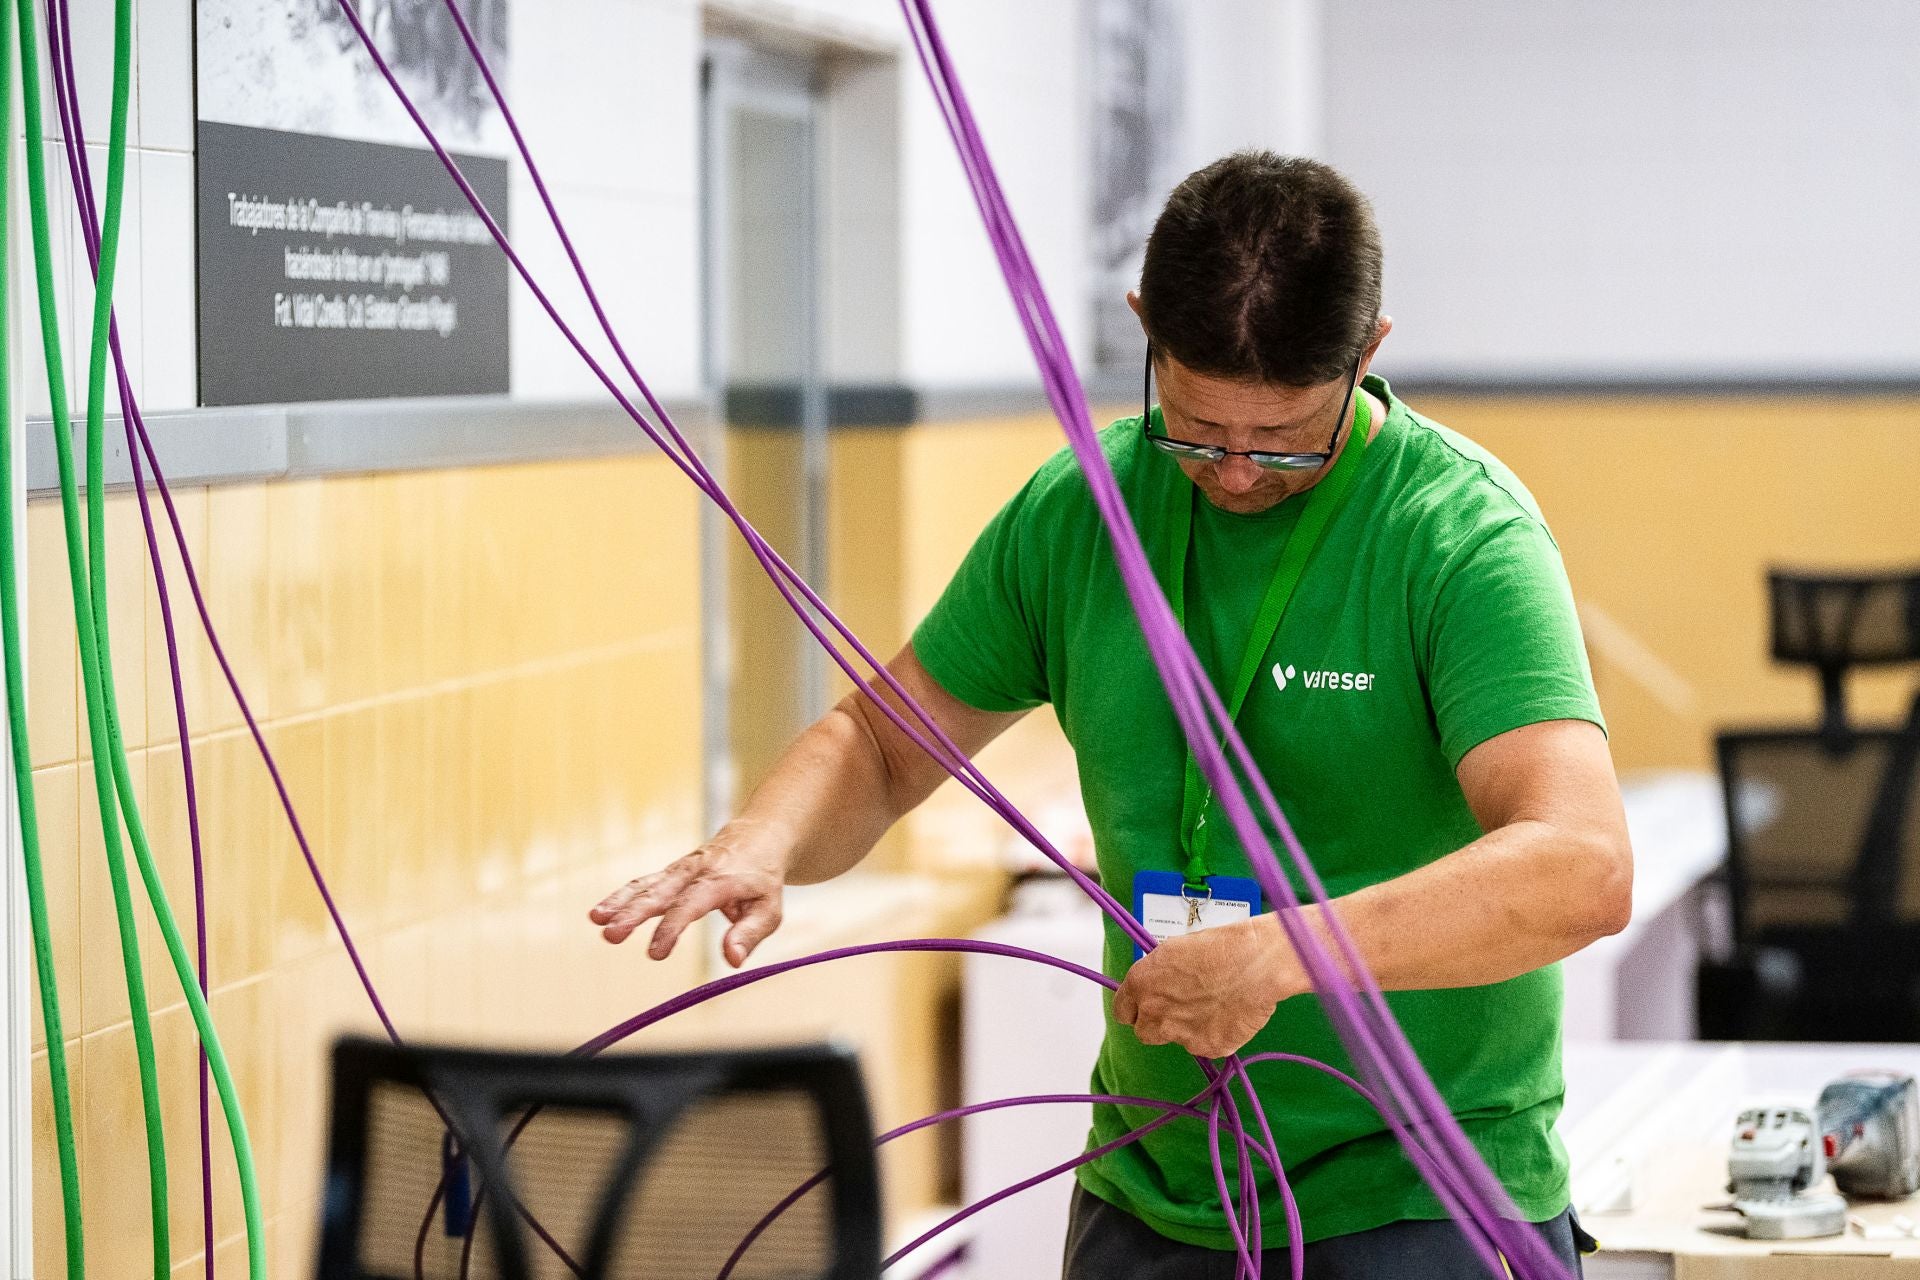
(1361,1032)
(691,466)
(1243,1263)
(777,565)
(1293,1217)
(137,424)
(958,1113)
(734,981)
(1381,1053)
(60,46)
(953,760)
(1296,1244)
(66,101)
(791,586)
(721,986)
(979,1206)
(1045,1175)
(1135,1135)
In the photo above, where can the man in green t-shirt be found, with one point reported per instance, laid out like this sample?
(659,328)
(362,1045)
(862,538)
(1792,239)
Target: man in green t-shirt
(1380,603)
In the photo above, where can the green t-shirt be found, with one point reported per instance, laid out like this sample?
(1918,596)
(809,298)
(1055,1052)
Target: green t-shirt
(1438,581)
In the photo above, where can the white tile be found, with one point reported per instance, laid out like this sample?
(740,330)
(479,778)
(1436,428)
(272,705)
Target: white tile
(92,26)
(1707,185)
(165,30)
(589,119)
(167,287)
(635,275)
(543,365)
(49,112)
(647,281)
(33,370)
(126,291)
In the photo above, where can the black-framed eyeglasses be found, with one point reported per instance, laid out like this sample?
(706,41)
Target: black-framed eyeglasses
(1266,459)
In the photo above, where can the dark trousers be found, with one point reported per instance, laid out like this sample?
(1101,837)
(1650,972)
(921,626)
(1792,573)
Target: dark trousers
(1104,1243)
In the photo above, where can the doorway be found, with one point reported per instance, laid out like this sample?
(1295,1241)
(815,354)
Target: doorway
(767,679)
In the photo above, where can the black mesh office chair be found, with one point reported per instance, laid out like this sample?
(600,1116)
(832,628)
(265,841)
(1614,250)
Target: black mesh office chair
(1823,858)
(1823,878)
(645,1167)
(1833,622)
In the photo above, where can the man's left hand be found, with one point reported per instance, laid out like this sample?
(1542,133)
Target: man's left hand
(1209,992)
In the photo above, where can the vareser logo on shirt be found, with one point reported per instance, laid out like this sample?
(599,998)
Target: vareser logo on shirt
(1350,681)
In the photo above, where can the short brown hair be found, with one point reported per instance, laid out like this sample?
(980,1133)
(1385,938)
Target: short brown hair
(1265,268)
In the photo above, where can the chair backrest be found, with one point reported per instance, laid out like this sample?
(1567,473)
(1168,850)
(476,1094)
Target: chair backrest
(448,1163)
(1819,832)
(1833,621)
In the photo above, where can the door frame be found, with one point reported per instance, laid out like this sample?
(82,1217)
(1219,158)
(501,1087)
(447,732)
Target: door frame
(738,75)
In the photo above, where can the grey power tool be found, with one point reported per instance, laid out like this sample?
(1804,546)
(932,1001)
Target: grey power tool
(1776,1161)
(1865,1132)
(1870,1134)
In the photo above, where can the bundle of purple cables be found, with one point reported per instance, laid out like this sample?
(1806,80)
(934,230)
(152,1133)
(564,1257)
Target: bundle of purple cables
(1390,1075)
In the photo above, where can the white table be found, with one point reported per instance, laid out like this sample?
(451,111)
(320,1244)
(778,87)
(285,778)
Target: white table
(1648,1127)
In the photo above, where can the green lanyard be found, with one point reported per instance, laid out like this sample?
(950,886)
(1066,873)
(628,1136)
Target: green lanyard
(1323,500)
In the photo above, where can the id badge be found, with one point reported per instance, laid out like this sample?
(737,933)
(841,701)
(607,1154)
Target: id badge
(1167,908)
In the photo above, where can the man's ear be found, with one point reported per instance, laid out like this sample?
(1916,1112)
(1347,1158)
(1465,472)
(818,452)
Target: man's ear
(1133,302)
(1380,332)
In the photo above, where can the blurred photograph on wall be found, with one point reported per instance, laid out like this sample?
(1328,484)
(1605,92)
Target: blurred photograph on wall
(338,258)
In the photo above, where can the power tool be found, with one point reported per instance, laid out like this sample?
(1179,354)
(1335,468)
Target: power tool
(1870,1131)
(1777,1160)
(1865,1132)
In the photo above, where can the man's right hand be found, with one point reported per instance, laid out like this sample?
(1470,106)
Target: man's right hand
(826,802)
(723,875)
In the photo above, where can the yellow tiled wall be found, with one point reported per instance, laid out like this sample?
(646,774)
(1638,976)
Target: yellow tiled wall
(923,495)
(483,690)
(1669,511)
(765,476)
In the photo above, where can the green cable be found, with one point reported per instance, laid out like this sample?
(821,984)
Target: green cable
(183,965)
(17,719)
(83,622)
(103,722)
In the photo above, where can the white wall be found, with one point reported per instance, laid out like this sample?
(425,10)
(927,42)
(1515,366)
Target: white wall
(1644,187)
(608,93)
(1251,82)
(612,120)
(1647,187)
(1253,78)
(626,143)
(1021,67)
(154,293)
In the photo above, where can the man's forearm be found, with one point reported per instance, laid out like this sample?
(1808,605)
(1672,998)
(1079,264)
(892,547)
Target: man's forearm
(852,775)
(1553,873)
(826,803)
(1512,901)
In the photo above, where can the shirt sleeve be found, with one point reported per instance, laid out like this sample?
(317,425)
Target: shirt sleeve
(1504,645)
(982,641)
